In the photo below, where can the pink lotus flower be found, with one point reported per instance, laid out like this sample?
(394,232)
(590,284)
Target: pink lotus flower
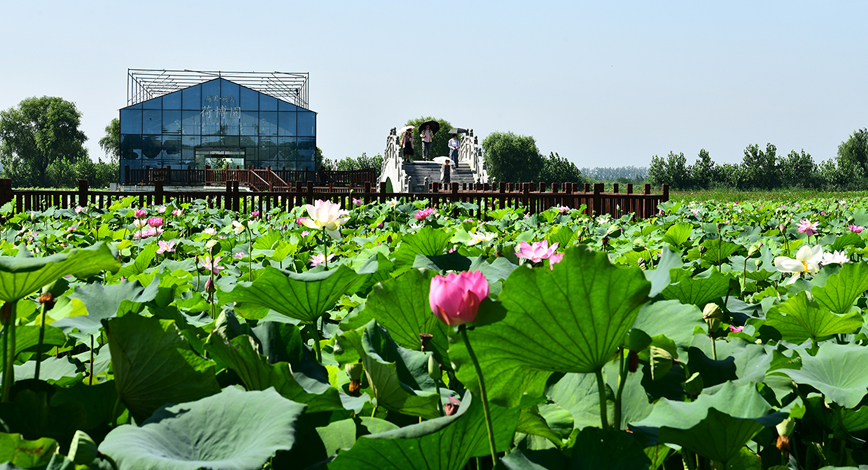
(455,298)
(695,212)
(379,225)
(211,264)
(147,232)
(78,209)
(304,233)
(452,407)
(563,209)
(161,209)
(300,220)
(555,259)
(319,259)
(357,202)
(254,214)
(155,221)
(324,215)
(165,246)
(140,214)
(807,227)
(736,329)
(856,228)
(424,213)
(536,252)
(210,231)
(177,212)
(238,255)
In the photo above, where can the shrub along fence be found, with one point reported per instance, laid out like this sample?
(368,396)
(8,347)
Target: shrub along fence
(533,197)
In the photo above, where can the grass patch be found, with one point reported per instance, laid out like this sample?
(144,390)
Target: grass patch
(782,195)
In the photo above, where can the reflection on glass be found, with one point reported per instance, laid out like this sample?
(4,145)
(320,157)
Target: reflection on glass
(152,121)
(267,103)
(172,101)
(307,123)
(249,99)
(154,103)
(131,121)
(267,123)
(192,124)
(287,123)
(171,122)
(193,97)
(249,123)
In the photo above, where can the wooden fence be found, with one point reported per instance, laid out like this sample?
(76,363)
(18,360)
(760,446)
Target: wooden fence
(257,179)
(530,196)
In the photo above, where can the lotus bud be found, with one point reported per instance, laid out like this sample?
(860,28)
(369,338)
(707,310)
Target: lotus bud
(209,285)
(83,450)
(434,368)
(354,370)
(694,385)
(639,244)
(758,263)
(712,311)
(210,244)
(451,407)
(754,249)
(702,249)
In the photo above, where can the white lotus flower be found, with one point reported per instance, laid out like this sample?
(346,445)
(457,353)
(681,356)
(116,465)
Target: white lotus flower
(237,227)
(480,237)
(807,261)
(324,214)
(837,257)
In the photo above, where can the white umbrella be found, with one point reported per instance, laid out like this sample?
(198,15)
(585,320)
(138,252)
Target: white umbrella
(404,129)
(444,161)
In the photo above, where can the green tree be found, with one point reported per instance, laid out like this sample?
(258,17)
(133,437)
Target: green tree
(798,170)
(703,171)
(111,143)
(362,162)
(855,149)
(557,169)
(36,133)
(318,159)
(672,171)
(439,144)
(512,158)
(761,168)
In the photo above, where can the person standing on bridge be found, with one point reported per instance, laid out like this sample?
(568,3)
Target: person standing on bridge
(407,144)
(454,144)
(427,136)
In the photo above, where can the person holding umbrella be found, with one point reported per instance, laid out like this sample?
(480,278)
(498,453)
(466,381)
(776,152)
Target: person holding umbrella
(407,142)
(429,128)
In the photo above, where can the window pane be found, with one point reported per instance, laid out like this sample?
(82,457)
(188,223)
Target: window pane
(230,120)
(267,148)
(131,147)
(267,123)
(172,101)
(249,123)
(267,103)
(284,106)
(249,99)
(192,122)
(210,119)
(306,123)
(151,147)
(154,103)
(229,94)
(193,97)
(131,121)
(171,122)
(188,146)
(211,94)
(152,122)
(287,123)
(251,146)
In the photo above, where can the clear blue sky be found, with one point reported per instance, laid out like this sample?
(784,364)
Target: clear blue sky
(602,83)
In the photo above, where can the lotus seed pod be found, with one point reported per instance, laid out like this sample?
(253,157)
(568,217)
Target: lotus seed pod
(757,263)
(752,251)
(639,244)
(83,450)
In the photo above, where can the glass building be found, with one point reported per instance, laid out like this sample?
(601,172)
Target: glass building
(238,119)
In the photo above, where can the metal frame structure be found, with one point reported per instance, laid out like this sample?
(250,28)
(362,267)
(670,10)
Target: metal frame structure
(145,84)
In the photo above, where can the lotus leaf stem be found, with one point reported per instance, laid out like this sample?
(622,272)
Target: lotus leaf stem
(601,388)
(8,355)
(39,343)
(482,393)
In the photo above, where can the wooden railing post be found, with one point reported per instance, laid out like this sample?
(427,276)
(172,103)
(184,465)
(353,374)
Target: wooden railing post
(6,194)
(615,188)
(382,192)
(158,192)
(126,174)
(646,201)
(598,200)
(454,196)
(587,187)
(82,193)
(665,192)
(228,201)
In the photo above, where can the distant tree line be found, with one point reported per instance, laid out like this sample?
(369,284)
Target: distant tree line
(763,169)
(515,158)
(361,162)
(42,146)
(628,174)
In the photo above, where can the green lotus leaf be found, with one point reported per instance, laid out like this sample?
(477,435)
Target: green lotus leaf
(848,421)
(699,290)
(154,364)
(305,297)
(714,426)
(103,302)
(242,356)
(837,371)
(518,460)
(678,234)
(570,319)
(445,443)
(230,430)
(401,306)
(612,450)
(842,289)
(27,337)
(801,317)
(428,241)
(23,453)
(398,377)
(442,263)
(577,393)
(23,275)
(661,276)
(672,319)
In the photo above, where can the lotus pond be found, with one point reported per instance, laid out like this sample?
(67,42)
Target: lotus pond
(182,337)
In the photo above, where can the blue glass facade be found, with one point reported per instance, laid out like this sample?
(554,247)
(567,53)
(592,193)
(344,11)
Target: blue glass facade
(213,121)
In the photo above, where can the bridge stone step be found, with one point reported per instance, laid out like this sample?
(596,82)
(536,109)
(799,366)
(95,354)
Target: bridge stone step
(419,170)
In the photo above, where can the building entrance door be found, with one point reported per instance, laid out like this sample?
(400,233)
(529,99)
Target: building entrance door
(220,157)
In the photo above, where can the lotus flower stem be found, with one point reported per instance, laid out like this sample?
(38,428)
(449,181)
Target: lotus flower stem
(622,371)
(316,338)
(8,316)
(41,339)
(482,394)
(90,376)
(601,388)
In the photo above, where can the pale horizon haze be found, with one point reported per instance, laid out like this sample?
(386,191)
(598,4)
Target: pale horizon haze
(604,84)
